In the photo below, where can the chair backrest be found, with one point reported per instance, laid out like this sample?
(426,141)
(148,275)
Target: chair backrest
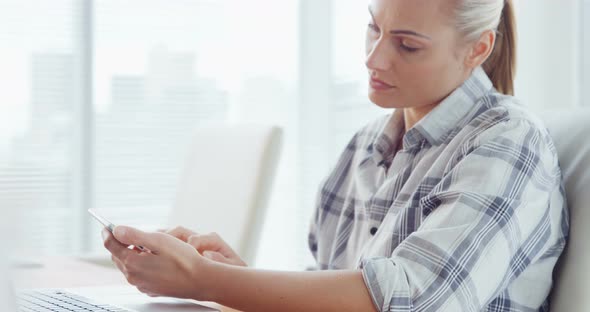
(226,183)
(570,131)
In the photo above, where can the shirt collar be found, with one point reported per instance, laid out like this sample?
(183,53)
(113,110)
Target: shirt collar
(438,123)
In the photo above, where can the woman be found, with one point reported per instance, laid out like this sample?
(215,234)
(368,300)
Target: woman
(452,203)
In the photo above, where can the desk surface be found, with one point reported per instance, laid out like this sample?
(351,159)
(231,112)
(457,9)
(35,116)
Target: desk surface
(69,272)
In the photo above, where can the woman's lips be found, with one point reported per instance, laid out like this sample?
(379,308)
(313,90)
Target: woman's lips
(379,85)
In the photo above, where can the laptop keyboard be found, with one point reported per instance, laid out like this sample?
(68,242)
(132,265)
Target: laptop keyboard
(59,301)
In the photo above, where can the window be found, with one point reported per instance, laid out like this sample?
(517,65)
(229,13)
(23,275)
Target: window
(39,158)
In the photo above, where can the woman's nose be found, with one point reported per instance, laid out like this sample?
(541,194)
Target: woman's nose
(378,58)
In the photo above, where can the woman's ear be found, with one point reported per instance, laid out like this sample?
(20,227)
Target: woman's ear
(481,49)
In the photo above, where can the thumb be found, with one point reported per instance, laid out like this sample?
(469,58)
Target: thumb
(131,236)
(128,235)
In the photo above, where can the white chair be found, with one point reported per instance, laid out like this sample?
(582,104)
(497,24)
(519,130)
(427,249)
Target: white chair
(226,183)
(570,130)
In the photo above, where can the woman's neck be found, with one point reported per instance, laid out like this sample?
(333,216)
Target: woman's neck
(412,115)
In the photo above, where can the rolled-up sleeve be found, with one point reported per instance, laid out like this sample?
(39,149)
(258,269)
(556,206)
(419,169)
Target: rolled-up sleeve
(492,214)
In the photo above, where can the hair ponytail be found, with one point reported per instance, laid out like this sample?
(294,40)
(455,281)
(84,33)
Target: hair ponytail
(501,65)
(473,17)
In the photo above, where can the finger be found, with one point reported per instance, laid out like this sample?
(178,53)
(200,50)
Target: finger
(215,256)
(204,242)
(181,233)
(119,265)
(113,245)
(153,241)
(211,242)
(147,292)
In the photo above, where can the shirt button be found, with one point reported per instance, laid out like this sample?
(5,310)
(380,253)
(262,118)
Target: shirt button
(373,230)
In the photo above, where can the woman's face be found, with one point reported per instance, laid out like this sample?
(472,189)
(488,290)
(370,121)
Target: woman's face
(414,54)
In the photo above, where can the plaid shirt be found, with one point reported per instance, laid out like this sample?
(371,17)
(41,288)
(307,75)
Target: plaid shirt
(470,215)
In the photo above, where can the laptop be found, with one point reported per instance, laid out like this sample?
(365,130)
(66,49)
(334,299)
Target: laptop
(103,299)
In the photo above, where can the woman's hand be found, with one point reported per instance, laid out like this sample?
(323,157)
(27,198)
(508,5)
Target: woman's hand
(173,268)
(210,245)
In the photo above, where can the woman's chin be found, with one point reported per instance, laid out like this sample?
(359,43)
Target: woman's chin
(383,100)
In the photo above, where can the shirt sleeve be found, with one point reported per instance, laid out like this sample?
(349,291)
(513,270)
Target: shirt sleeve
(486,221)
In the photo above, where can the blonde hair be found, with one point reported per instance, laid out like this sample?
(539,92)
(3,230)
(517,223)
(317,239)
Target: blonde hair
(473,17)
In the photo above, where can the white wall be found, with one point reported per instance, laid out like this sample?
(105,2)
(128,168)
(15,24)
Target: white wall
(549,57)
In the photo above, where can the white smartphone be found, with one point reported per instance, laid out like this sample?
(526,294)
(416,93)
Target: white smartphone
(110,225)
(107,224)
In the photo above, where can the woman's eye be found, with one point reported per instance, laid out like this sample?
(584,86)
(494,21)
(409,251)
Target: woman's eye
(403,44)
(408,48)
